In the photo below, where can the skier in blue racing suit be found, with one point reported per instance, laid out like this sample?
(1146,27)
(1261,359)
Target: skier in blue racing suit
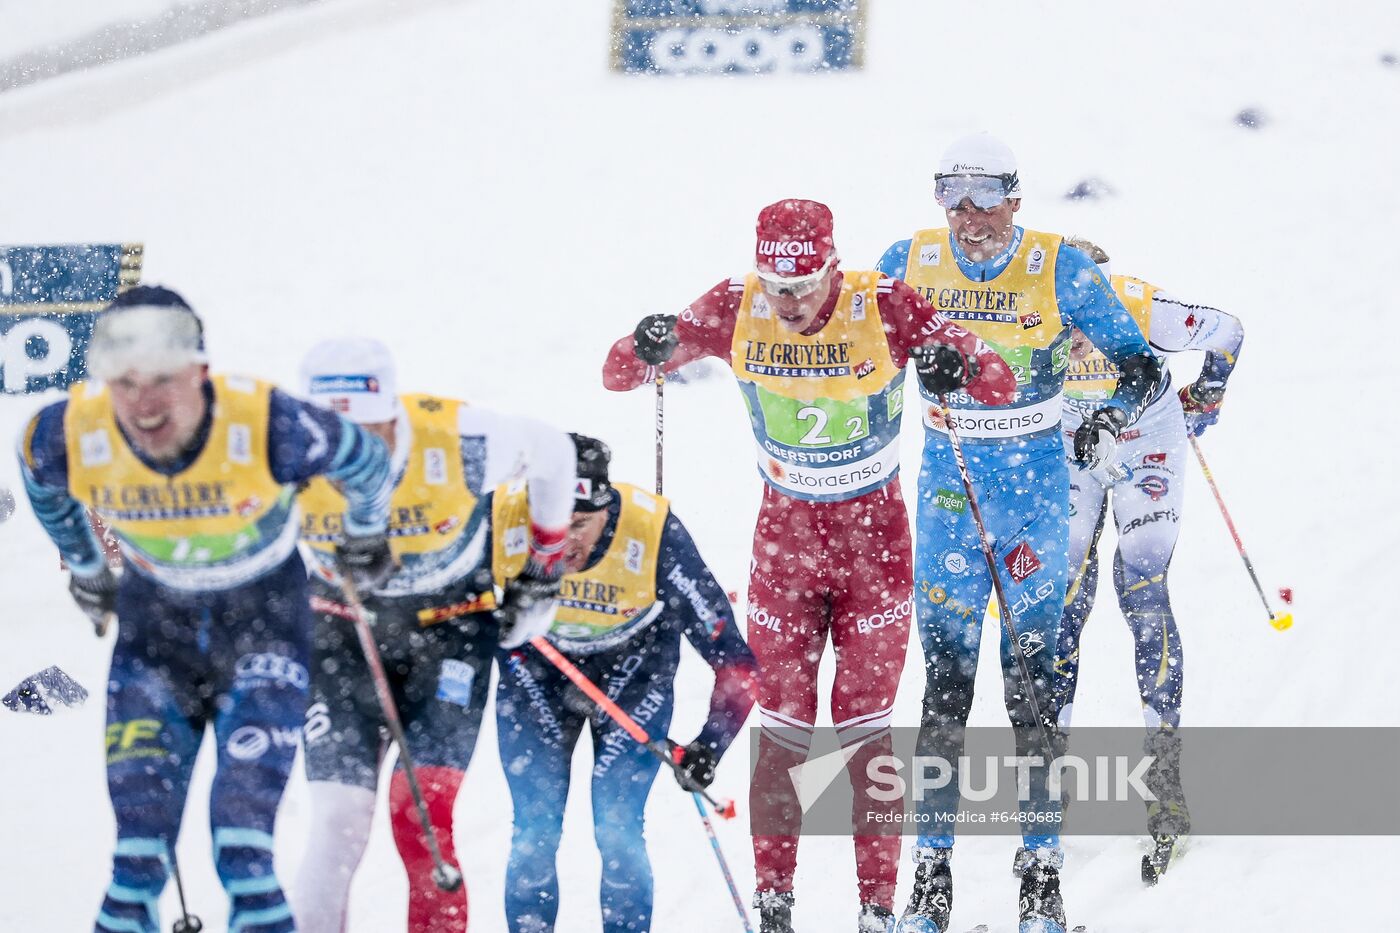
(1022,292)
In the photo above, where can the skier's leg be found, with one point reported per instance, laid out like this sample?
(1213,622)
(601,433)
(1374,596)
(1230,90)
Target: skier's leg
(536,729)
(872,604)
(153,735)
(1147,510)
(444,696)
(1087,501)
(951,589)
(1032,563)
(787,625)
(640,681)
(261,635)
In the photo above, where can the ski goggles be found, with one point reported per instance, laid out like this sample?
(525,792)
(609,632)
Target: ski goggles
(795,286)
(984,191)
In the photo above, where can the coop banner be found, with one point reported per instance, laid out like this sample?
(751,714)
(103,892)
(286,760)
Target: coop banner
(737,36)
(49,299)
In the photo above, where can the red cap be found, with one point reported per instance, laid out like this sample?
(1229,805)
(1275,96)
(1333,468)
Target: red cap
(794,237)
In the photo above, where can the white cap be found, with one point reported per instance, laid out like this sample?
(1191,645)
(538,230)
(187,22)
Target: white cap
(980,154)
(152,339)
(353,376)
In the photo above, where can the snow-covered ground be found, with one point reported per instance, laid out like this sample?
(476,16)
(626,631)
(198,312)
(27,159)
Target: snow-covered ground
(465,180)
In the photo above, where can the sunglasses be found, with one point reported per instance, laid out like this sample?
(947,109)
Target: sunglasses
(795,286)
(984,191)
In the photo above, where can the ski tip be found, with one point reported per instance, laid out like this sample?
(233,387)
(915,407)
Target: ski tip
(1283,621)
(1150,874)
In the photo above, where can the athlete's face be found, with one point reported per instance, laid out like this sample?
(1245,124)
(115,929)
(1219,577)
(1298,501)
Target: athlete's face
(797,312)
(584,531)
(981,234)
(160,413)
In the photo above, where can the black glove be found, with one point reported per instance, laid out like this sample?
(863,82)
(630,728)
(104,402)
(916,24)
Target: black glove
(1096,438)
(97,597)
(1200,403)
(365,560)
(695,765)
(527,607)
(655,338)
(942,368)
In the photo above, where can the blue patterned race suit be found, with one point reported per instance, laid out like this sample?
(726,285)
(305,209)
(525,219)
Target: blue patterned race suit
(1023,302)
(189,656)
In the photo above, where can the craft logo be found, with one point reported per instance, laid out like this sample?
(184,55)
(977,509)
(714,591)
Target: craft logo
(1022,562)
(1155,487)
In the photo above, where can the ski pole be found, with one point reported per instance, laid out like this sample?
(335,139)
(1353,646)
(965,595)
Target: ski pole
(660,422)
(694,795)
(1279,621)
(989,554)
(445,876)
(661,748)
(188,922)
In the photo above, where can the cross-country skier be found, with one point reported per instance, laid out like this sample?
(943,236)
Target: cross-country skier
(819,355)
(1149,469)
(434,638)
(196,477)
(635,585)
(1021,291)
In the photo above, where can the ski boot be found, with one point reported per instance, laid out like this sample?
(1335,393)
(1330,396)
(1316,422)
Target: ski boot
(875,919)
(1021,862)
(774,911)
(931,905)
(1042,908)
(1168,820)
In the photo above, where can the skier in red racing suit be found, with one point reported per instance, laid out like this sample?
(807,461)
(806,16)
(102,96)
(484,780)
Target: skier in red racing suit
(819,355)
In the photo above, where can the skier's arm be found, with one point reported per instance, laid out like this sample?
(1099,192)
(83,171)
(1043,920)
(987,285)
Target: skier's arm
(705,328)
(896,259)
(544,456)
(911,322)
(691,594)
(1087,301)
(1177,326)
(43,461)
(305,440)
